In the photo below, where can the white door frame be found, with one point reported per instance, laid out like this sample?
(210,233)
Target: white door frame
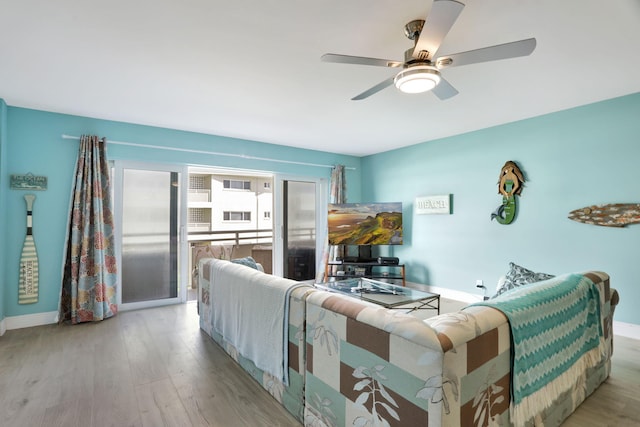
(183,244)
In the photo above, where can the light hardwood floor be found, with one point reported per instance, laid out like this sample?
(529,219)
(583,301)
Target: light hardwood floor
(141,368)
(156,368)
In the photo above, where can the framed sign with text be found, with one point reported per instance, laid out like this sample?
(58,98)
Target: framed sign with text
(427,205)
(28,182)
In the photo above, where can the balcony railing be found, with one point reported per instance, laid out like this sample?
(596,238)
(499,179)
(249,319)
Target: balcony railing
(258,236)
(199,195)
(237,237)
(199,226)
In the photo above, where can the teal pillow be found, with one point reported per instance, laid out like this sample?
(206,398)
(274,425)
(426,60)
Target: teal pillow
(247,261)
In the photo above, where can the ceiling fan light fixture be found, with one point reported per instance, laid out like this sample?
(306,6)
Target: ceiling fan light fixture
(417,79)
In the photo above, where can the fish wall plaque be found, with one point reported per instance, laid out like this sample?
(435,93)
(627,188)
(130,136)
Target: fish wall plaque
(611,215)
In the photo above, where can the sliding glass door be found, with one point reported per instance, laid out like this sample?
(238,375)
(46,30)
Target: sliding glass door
(152,242)
(301,205)
(150,213)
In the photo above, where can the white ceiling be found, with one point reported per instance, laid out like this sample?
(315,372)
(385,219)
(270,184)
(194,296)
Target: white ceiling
(251,69)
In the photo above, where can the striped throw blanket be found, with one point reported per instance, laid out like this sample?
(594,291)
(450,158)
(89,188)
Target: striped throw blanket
(556,335)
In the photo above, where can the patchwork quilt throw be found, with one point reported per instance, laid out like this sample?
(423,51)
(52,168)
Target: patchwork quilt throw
(556,335)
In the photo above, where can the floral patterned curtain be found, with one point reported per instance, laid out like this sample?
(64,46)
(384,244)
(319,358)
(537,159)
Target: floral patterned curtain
(89,281)
(337,194)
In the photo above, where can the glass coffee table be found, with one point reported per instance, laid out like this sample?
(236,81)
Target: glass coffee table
(384,294)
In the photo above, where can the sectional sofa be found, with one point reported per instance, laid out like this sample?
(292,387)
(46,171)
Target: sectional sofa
(351,363)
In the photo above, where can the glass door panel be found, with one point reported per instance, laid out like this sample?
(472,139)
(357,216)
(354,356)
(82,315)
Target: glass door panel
(149,216)
(299,230)
(149,235)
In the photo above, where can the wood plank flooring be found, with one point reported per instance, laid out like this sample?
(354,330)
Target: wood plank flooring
(156,368)
(141,368)
(616,403)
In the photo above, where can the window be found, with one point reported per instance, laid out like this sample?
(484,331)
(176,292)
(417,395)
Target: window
(197,182)
(267,215)
(199,219)
(235,184)
(198,215)
(236,216)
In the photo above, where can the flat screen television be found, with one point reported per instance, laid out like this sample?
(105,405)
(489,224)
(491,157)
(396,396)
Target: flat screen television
(365,224)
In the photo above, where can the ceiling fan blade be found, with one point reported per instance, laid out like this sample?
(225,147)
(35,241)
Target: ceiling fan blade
(360,60)
(377,88)
(444,90)
(491,53)
(441,18)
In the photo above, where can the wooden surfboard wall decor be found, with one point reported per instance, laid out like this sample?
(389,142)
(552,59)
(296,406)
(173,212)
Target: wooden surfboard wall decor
(28,285)
(610,215)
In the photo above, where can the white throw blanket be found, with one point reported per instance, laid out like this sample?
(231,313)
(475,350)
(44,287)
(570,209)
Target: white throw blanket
(249,311)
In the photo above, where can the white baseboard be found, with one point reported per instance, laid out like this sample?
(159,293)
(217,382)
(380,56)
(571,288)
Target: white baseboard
(629,330)
(29,320)
(3,327)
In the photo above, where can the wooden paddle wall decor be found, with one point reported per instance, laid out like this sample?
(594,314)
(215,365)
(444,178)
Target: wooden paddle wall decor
(510,184)
(28,283)
(611,215)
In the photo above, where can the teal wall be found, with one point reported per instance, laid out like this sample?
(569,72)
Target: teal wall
(571,159)
(34,144)
(3,190)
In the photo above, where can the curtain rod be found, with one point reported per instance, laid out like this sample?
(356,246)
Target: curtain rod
(187,150)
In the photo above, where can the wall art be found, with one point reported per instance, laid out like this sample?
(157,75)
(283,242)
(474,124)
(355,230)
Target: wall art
(433,205)
(28,282)
(510,184)
(28,182)
(611,215)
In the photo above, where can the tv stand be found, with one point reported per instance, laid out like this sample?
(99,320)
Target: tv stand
(372,269)
(364,253)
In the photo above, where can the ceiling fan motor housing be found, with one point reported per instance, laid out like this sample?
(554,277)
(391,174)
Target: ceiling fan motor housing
(412,30)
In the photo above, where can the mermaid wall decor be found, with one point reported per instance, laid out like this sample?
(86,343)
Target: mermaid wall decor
(510,184)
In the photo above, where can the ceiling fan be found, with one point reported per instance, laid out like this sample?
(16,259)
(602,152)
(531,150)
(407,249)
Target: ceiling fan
(421,68)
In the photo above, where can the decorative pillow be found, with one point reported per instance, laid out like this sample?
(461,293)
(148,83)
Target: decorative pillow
(247,261)
(518,276)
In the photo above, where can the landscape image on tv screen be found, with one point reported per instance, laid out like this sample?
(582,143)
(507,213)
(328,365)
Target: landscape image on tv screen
(365,224)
